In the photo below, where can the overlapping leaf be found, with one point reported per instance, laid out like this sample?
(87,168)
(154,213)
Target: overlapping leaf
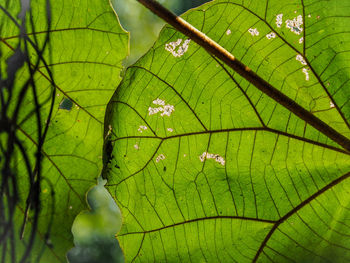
(87,45)
(206,168)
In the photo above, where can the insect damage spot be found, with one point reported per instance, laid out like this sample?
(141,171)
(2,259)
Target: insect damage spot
(176,49)
(136,146)
(165,109)
(279,20)
(66,104)
(216,157)
(301,40)
(253,31)
(160,157)
(306,72)
(295,25)
(158,101)
(301,59)
(331,104)
(228,32)
(170,130)
(271,35)
(142,128)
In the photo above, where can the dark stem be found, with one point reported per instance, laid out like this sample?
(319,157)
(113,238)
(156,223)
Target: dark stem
(221,53)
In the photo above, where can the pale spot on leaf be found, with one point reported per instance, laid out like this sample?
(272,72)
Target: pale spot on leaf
(301,59)
(158,101)
(279,20)
(228,32)
(165,109)
(295,25)
(170,130)
(176,49)
(142,128)
(253,31)
(271,35)
(216,157)
(160,157)
(136,147)
(331,104)
(306,72)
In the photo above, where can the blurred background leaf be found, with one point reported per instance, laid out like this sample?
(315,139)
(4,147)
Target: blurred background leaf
(94,230)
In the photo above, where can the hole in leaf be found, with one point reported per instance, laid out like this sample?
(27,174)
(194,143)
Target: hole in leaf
(66,104)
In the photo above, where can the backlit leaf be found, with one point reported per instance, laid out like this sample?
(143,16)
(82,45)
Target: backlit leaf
(86,48)
(206,168)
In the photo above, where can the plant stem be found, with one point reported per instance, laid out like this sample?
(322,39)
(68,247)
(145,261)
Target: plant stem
(215,49)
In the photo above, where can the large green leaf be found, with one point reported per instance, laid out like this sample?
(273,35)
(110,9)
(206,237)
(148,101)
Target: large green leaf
(230,175)
(87,46)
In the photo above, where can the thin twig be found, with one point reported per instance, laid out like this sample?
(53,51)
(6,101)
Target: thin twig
(215,49)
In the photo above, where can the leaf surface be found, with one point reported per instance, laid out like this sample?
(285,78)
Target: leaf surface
(86,48)
(206,168)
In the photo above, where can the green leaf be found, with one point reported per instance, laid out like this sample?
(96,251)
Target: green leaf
(231,175)
(86,48)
